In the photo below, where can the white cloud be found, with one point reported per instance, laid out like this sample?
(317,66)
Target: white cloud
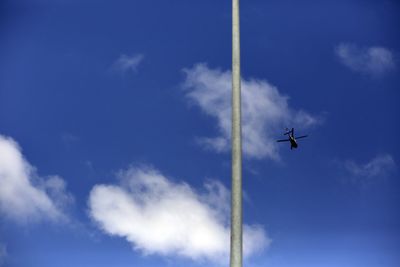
(160,216)
(265,111)
(372,60)
(380,166)
(24,196)
(128,63)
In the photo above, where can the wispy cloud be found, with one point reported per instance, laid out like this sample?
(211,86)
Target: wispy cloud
(160,216)
(127,63)
(379,166)
(374,60)
(24,196)
(69,140)
(265,111)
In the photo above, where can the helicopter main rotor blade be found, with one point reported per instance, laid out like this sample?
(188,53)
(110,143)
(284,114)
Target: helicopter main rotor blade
(283,140)
(301,136)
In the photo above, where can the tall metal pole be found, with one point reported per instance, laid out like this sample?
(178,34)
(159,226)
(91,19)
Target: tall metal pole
(236,208)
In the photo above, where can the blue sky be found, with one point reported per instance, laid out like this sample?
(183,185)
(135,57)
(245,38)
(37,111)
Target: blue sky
(114,133)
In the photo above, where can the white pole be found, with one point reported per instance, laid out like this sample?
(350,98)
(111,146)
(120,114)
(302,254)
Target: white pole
(236,208)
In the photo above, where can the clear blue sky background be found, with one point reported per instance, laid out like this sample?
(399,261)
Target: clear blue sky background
(74,115)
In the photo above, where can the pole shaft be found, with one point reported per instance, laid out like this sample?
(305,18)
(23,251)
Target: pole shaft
(236,208)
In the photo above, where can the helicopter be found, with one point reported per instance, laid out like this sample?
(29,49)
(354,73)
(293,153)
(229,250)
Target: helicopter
(291,139)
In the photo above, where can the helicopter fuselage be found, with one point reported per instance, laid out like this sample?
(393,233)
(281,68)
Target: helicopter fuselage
(293,143)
